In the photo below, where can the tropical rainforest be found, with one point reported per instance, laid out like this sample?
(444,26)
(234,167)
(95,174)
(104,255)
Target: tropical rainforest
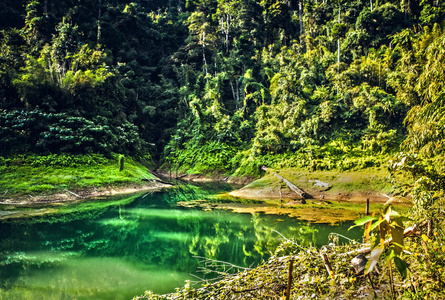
(226,86)
(222,85)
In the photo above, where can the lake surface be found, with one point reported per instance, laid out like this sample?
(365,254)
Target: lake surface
(117,248)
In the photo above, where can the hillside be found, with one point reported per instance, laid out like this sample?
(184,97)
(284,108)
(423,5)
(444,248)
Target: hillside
(222,85)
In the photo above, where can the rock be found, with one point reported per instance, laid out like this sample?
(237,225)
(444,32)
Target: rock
(359,263)
(324,185)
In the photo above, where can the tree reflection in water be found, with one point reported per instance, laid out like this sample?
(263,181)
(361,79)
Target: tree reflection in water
(125,246)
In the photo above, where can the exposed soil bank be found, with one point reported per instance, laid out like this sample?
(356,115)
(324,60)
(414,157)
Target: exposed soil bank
(287,195)
(354,187)
(331,197)
(73,196)
(215,177)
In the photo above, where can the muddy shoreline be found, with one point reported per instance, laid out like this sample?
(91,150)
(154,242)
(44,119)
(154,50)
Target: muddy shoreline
(68,196)
(324,205)
(71,196)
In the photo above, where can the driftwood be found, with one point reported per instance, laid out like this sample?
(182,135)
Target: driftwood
(292,186)
(74,194)
(327,264)
(164,182)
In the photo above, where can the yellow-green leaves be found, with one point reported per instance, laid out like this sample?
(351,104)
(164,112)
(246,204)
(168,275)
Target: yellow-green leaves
(389,232)
(374,258)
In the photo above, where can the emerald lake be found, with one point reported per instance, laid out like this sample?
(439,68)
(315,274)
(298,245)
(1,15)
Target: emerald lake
(116,248)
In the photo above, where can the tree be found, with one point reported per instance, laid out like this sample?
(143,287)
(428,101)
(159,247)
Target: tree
(425,121)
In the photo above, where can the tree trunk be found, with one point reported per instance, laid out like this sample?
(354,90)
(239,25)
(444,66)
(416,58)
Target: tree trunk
(300,16)
(338,55)
(290,185)
(99,16)
(338,41)
(121,163)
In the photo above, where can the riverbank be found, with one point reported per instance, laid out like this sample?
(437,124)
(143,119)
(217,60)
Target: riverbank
(347,186)
(36,180)
(331,196)
(69,196)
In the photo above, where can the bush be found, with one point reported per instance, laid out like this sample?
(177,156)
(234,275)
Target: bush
(41,188)
(45,133)
(54,160)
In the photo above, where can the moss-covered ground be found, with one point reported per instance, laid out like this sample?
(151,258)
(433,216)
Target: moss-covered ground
(33,175)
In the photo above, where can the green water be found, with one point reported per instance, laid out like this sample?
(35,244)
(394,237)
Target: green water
(118,248)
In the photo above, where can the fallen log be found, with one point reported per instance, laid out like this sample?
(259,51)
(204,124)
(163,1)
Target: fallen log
(74,194)
(290,185)
(163,182)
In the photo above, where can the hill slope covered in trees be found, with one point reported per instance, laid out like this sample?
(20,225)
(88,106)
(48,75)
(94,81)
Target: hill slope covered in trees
(222,85)
(229,85)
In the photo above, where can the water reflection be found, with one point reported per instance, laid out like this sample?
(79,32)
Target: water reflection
(118,248)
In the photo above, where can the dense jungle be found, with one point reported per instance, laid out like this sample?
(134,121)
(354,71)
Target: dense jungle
(224,87)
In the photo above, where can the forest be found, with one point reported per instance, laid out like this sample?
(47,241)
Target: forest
(225,86)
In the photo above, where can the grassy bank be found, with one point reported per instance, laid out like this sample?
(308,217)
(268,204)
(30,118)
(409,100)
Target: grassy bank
(332,184)
(37,175)
(341,197)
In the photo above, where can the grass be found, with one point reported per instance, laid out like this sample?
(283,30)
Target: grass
(369,181)
(363,180)
(33,174)
(265,182)
(344,199)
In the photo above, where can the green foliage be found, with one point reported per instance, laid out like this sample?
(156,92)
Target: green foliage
(339,30)
(41,188)
(59,132)
(388,225)
(54,160)
(423,179)
(36,174)
(226,86)
(200,83)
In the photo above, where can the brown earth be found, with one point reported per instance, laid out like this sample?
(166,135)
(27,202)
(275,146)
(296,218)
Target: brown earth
(73,196)
(270,193)
(324,204)
(333,186)
(271,197)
